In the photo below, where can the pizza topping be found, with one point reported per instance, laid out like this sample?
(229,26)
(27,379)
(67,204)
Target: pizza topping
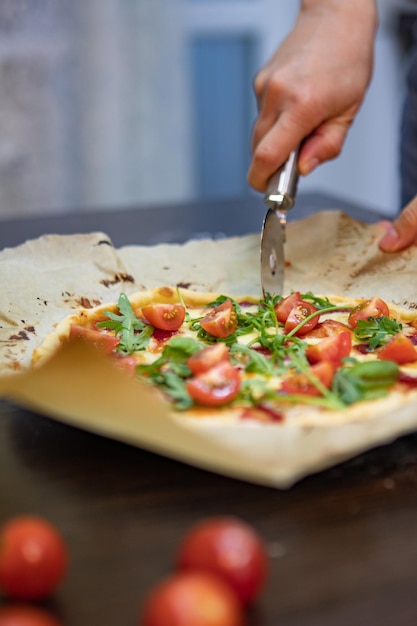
(283,309)
(261,357)
(262,412)
(310,382)
(208,357)
(376,331)
(400,350)
(218,386)
(300,319)
(375,307)
(328,328)
(333,349)
(364,381)
(103,341)
(164,316)
(221,321)
(132,332)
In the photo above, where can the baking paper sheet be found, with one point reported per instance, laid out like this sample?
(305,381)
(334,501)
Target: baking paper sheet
(46,279)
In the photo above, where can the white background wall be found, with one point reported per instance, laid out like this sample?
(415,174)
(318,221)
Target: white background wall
(96,111)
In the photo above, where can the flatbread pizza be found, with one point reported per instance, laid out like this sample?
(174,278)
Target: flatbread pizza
(309,359)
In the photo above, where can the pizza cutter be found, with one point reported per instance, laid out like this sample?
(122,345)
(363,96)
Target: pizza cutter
(279,198)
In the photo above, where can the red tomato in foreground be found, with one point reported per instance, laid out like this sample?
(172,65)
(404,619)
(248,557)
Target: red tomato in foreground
(192,599)
(33,558)
(164,316)
(100,339)
(218,386)
(282,310)
(221,321)
(375,307)
(207,358)
(230,549)
(332,349)
(299,383)
(298,314)
(400,349)
(25,615)
(328,328)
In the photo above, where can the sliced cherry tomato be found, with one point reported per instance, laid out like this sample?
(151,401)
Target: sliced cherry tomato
(299,383)
(328,328)
(217,386)
(33,558)
(282,310)
(26,615)
(400,349)
(298,314)
(164,316)
(207,358)
(126,363)
(229,548)
(192,599)
(101,340)
(332,349)
(221,321)
(375,307)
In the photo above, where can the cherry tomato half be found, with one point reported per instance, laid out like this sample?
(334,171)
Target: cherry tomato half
(33,558)
(375,307)
(298,314)
(400,349)
(282,310)
(164,316)
(230,548)
(101,340)
(26,615)
(219,385)
(328,328)
(299,383)
(192,599)
(221,321)
(332,349)
(208,357)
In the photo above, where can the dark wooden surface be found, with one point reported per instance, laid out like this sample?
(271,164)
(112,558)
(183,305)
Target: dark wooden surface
(342,543)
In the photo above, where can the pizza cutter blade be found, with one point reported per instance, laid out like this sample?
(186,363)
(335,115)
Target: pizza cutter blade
(280,198)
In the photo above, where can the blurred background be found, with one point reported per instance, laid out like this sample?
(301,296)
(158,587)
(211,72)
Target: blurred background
(119,103)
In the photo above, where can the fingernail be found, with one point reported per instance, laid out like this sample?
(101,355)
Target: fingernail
(390,240)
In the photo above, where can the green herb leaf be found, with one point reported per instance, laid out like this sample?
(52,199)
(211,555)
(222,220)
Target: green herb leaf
(132,332)
(366,380)
(376,331)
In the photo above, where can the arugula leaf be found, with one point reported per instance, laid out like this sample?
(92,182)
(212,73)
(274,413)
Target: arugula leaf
(376,331)
(366,380)
(319,303)
(253,361)
(132,332)
(174,387)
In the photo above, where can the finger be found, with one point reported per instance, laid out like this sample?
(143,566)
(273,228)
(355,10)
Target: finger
(403,232)
(273,149)
(324,144)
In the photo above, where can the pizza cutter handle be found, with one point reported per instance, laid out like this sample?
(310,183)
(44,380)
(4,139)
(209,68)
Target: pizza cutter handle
(282,186)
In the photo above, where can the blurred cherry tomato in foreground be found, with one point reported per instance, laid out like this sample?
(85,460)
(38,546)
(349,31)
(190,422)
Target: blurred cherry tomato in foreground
(192,599)
(23,615)
(230,549)
(33,558)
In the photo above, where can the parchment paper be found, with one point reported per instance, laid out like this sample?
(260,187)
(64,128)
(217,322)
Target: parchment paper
(45,279)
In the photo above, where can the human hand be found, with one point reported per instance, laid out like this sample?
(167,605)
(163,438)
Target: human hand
(402,233)
(313,86)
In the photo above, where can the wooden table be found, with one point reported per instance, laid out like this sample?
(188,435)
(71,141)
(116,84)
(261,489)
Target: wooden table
(342,543)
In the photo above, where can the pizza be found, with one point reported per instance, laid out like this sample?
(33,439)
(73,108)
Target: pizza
(306,358)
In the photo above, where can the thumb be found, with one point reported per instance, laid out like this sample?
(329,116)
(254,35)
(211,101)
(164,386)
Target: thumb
(403,232)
